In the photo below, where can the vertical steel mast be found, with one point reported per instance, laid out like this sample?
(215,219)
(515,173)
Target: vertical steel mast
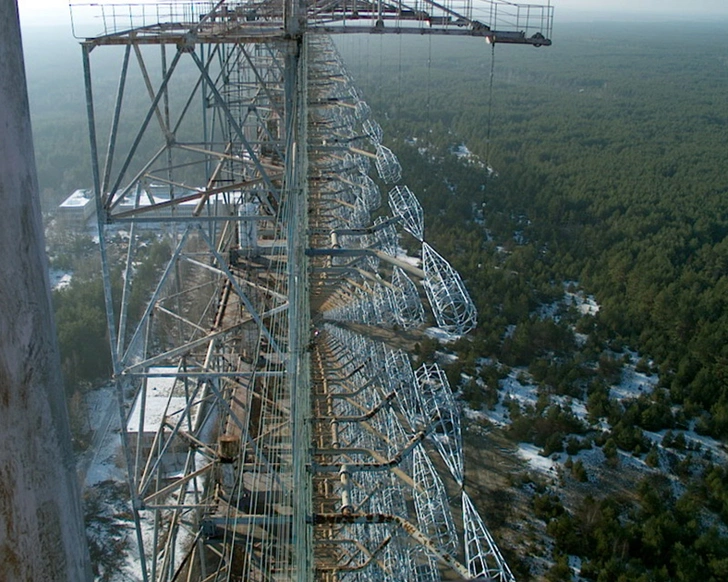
(299,318)
(267,436)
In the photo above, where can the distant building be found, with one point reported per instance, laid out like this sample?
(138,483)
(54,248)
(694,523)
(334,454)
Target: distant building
(163,404)
(153,201)
(76,210)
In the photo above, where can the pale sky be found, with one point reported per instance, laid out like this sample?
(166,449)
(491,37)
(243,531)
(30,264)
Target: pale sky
(48,12)
(44,12)
(696,6)
(689,10)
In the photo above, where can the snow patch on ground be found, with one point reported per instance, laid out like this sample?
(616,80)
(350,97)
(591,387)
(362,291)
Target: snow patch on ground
(550,310)
(717,449)
(577,407)
(463,153)
(471,414)
(529,453)
(575,565)
(513,388)
(593,457)
(441,335)
(510,389)
(586,304)
(445,359)
(633,384)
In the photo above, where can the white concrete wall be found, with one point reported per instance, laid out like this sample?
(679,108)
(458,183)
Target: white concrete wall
(41,523)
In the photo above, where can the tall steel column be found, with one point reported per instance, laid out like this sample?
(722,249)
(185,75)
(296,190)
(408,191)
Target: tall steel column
(267,437)
(41,523)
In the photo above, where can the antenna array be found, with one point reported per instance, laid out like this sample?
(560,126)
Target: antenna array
(267,436)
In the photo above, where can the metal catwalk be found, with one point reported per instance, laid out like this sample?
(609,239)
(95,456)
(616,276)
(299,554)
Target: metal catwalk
(265,438)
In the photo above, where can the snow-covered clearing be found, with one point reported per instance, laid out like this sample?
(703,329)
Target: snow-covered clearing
(101,468)
(633,384)
(518,388)
(530,454)
(103,460)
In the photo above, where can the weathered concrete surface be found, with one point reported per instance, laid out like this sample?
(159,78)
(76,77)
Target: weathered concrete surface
(41,522)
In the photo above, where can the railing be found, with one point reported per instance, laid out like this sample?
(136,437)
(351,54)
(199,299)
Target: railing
(92,20)
(527,18)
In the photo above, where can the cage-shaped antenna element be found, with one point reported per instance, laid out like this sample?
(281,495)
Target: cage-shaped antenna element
(405,205)
(382,307)
(373,131)
(437,402)
(387,165)
(431,503)
(402,381)
(356,162)
(369,191)
(453,308)
(405,300)
(385,237)
(362,110)
(483,558)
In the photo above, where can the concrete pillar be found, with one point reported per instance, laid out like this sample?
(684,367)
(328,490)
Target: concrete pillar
(41,523)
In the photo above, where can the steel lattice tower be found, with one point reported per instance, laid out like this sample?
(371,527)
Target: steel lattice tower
(266,436)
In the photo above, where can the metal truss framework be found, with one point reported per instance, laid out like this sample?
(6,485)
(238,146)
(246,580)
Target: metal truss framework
(265,439)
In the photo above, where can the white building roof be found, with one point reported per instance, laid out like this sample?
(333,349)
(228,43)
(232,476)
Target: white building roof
(78,199)
(160,402)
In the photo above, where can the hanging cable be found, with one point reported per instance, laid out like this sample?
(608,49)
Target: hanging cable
(399,76)
(489,127)
(381,69)
(369,55)
(429,76)
(490,109)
